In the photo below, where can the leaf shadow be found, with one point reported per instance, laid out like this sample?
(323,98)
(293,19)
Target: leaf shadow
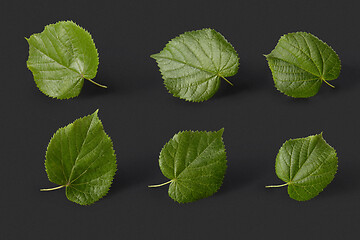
(298,100)
(226,90)
(133,173)
(242,173)
(349,77)
(90,90)
(247,79)
(345,181)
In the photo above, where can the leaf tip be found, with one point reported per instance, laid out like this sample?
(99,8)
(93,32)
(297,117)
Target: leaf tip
(154,56)
(221,131)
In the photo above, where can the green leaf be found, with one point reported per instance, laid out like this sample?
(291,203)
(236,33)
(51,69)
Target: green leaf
(307,165)
(80,157)
(61,57)
(300,63)
(193,64)
(195,163)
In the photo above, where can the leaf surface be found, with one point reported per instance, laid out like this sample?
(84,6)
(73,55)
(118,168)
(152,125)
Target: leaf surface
(80,157)
(307,165)
(300,63)
(61,57)
(193,64)
(195,163)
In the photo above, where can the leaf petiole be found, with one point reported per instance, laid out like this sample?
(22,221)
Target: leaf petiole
(97,84)
(276,186)
(327,83)
(162,184)
(51,189)
(226,80)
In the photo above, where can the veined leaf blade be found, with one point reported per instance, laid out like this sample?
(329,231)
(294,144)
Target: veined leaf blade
(300,63)
(307,165)
(195,163)
(80,157)
(193,64)
(61,57)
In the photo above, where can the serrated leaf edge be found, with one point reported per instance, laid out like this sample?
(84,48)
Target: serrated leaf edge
(218,77)
(81,78)
(322,80)
(113,154)
(226,161)
(289,183)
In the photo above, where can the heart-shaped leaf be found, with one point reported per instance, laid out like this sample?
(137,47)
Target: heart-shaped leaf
(61,57)
(195,163)
(80,157)
(307,165)
(300,63)
(193,64)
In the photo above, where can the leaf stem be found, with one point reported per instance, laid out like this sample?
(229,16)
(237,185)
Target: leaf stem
(226,80)
(276,186)
(162,184)
(328,83)
(97,84)
(51,189)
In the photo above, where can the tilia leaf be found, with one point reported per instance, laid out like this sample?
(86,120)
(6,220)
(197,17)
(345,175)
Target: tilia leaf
(300,63)
(80,157)
(193,64)
(61,57)
(307,165)
(195,163)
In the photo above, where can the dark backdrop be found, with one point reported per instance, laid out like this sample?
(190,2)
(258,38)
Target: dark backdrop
(140,116)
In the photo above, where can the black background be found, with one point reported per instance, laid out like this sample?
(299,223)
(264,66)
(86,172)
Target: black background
(140,116)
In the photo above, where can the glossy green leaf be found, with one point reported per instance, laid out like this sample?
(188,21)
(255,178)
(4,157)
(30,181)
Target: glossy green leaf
(307,165)
(300,63)
(61,57)
(80,157)
(193,64)
(195,163)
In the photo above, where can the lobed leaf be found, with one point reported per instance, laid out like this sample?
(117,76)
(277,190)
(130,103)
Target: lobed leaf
(307,165)
(61,57)
(80,157)
(300,63)
(195,163)
(193,63)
